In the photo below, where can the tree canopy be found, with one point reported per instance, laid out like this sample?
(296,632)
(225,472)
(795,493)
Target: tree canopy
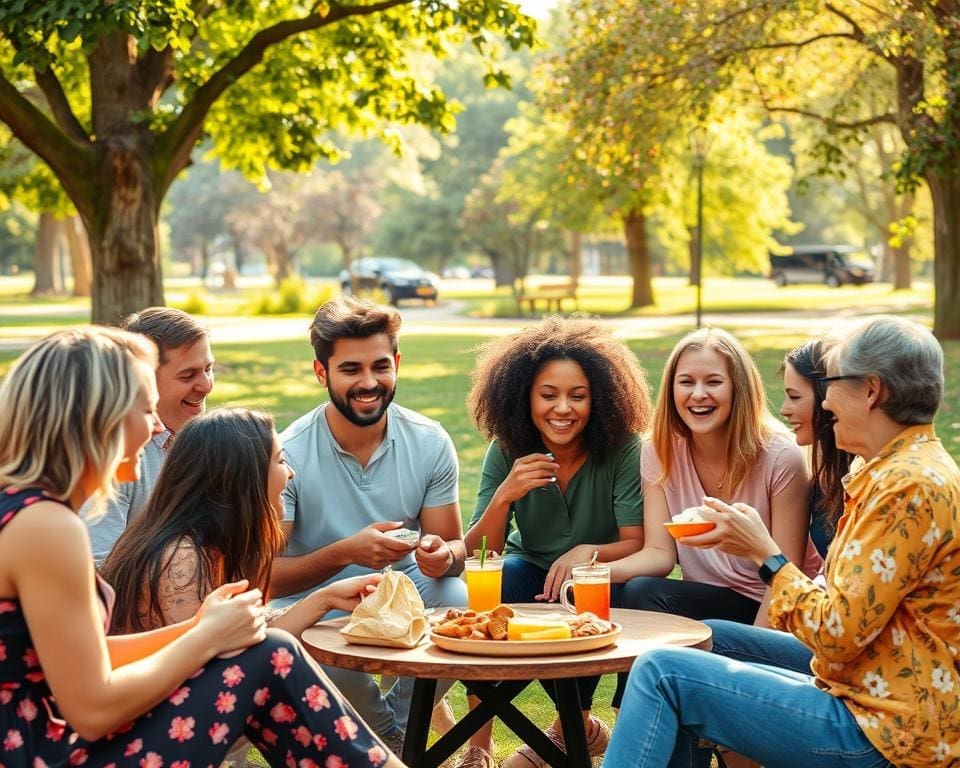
(130,87)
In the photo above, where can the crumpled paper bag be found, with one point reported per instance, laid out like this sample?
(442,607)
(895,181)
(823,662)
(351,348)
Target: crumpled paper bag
(393,615)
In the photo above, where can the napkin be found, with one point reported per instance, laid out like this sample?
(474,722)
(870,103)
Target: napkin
(392,615)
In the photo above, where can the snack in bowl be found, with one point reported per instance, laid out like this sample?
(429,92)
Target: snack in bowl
(688,523)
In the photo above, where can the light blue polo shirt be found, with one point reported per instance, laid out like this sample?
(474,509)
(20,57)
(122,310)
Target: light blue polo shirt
(333,497)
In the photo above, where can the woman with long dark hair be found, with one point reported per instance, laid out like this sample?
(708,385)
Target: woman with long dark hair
(213,517)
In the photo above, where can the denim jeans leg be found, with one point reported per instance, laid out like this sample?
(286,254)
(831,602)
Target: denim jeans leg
(756,645)
(675,696)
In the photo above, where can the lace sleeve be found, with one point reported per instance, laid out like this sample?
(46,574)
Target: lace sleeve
(179,588)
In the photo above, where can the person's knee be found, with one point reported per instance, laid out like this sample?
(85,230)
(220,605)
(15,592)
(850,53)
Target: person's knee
(644,593)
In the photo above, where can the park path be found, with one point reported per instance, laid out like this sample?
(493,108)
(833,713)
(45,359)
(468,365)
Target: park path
(444,318)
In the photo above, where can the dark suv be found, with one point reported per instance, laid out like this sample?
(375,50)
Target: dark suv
(397,278)
(834,265)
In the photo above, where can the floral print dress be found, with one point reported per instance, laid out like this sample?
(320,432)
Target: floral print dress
(273,693)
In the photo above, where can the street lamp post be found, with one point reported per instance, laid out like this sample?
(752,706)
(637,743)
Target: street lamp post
(699,144)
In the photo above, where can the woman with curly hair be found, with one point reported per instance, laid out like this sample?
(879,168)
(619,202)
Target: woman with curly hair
(563,403)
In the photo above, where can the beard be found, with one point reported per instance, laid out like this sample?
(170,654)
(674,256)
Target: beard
(359,419)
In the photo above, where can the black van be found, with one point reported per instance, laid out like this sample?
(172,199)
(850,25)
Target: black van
(834,265)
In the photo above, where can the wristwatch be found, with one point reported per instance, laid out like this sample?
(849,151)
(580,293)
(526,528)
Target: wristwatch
(771,565)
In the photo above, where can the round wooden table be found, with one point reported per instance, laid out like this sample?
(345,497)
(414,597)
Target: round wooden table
(496,680)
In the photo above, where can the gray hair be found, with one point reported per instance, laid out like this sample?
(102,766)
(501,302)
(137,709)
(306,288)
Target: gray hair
(906,357)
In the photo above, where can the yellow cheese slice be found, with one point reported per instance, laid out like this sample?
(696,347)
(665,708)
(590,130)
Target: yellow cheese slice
(523,628)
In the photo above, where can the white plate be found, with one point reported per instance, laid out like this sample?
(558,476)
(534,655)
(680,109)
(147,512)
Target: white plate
(526,647)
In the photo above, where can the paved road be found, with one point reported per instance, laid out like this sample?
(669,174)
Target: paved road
(444,318)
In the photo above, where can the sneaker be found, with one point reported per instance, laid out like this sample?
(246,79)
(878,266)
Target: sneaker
(475,757)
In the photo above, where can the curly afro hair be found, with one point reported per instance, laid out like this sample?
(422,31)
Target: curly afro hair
(499,399)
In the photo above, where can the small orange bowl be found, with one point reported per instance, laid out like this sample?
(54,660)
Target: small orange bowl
(679,530)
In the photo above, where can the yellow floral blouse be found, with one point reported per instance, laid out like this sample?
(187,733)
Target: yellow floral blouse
(885,633)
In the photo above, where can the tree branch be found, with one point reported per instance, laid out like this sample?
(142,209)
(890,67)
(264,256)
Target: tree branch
(60,106)
(176,142)
(69,159)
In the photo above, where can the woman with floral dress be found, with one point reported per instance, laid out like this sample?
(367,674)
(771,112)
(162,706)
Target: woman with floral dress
(885,631)
(75,412)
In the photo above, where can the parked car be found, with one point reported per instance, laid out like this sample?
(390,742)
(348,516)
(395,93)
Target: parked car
(834,265)
(397,278)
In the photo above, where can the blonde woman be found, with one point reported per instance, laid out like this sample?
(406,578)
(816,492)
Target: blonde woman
(75,413)
(713,436)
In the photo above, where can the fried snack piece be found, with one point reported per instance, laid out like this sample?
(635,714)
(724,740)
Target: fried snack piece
(588,624)
(486,625)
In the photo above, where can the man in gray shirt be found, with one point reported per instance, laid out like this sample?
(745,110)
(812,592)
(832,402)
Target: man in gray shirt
(184,379)
(366,466)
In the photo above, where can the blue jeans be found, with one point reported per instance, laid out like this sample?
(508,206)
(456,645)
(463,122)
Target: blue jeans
(760,646)
(692,599)
(522,581)
(676,696)
(387,712)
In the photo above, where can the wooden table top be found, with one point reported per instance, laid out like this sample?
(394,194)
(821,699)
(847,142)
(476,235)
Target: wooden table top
(642,631)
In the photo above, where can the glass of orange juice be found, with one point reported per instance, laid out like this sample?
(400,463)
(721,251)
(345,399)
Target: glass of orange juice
(483,584)
(591,590)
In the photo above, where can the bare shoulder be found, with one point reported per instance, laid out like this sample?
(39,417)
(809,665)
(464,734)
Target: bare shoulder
(46,536)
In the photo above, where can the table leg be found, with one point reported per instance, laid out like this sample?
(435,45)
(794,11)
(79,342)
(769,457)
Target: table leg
(418,722)
(571,718)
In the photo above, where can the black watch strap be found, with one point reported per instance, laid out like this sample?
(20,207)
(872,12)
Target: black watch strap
(771,565)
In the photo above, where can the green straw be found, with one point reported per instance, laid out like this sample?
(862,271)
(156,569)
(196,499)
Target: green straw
(483,550)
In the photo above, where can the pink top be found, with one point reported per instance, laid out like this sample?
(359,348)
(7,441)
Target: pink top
(778,463)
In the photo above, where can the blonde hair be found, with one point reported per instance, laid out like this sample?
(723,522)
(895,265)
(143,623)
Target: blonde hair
(62,407)
(750,426)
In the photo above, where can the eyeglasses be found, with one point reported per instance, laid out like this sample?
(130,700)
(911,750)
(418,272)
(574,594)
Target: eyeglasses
(826,380)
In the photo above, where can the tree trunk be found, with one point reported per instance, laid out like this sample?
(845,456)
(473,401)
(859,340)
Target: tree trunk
(945,191)
(638,254)
(46,270)
(79,247)
(123,232)
(576,257)
(902,272)
(504,272)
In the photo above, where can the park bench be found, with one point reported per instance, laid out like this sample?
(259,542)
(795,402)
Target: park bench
(552,295)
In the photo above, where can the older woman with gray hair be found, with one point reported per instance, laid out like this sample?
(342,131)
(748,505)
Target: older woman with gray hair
(885,632)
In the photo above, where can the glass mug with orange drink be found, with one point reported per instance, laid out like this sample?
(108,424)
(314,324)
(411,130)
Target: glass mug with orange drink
(591,590)
(484,583)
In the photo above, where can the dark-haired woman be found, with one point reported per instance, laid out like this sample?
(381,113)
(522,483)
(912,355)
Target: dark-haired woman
(564,403)
(75,413)
(213,517)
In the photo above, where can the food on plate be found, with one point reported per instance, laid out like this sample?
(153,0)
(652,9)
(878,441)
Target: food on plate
(587,624)
(502,623)
(475,625)
(689,523)
(525,628)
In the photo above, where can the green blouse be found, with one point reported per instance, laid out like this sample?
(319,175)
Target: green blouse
(602,497)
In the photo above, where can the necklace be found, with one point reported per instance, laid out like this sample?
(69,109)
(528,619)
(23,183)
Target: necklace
(701,473)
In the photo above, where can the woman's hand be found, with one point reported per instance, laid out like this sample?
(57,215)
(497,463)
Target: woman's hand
(231,618)
(527,473)
(346,594)
(562,569)
(739,531)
